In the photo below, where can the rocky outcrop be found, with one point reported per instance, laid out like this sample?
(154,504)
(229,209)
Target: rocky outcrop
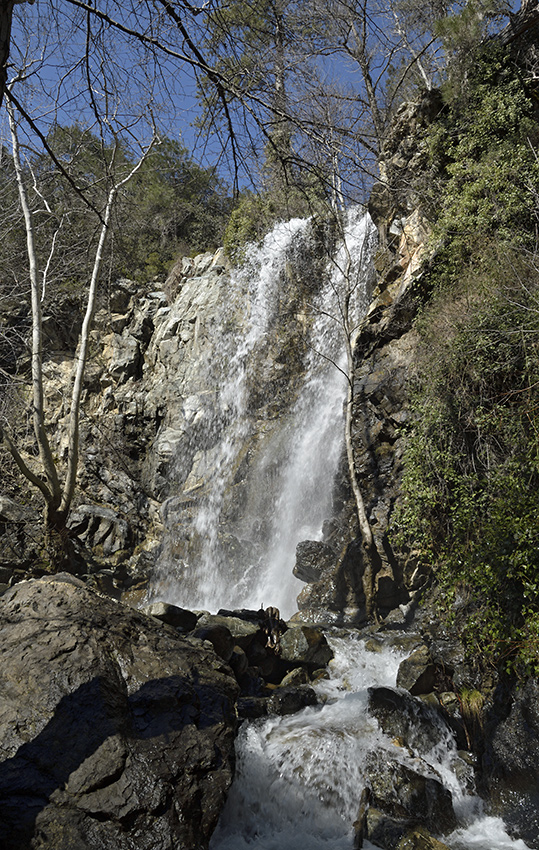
(510,763)
(116,732)
(384,364)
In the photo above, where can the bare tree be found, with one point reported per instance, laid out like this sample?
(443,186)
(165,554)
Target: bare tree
(350,273)
(45,476)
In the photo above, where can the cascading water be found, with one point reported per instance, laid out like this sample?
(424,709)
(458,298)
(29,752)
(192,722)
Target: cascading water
(268,477)
(299,778)
(259,480)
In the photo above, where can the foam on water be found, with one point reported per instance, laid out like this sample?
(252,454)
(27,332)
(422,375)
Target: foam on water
(299,778)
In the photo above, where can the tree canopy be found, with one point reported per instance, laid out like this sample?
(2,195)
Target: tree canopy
(310,84)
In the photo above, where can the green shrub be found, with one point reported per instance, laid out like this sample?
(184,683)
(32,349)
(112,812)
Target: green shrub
(470,499)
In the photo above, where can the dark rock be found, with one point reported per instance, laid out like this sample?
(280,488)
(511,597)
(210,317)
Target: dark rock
(220,638)
(100,529)
(388,593)
(251,682)
(417,674)
(291,699)
(403,716)
(243,631)
(172,615)
(450,706)
(250,708)
(397,834)
(114,731)
(404,792)
(305,645)
(247,614)
(511,763)
(312,558)
(337,598)
(238,661)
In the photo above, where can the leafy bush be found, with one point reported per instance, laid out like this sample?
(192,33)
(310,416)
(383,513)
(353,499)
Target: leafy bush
(470,501)
(484,145)
(471,483)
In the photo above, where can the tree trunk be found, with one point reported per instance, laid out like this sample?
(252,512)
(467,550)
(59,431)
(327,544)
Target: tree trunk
(58,549)
(6,11)
(372,560)
(370,552)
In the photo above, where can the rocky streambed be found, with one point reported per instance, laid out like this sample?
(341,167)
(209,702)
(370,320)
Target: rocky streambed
(118,730)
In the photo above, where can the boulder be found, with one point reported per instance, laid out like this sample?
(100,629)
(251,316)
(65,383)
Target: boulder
(511,762)
(115,732)
(312,558)
(305,645)
(405,792)
(243,631)
(417,673)
(100,528)
(219,637)
(171,615)
(288,700)
(402,716)
(397,834)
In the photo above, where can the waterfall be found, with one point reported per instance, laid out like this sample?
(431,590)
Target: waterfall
(267,474)
(263,435)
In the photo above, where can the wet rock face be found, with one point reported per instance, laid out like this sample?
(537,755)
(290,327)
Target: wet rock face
(115,732)
(312,558)
(396,834)
(406,718)
(403,792)
(511,764)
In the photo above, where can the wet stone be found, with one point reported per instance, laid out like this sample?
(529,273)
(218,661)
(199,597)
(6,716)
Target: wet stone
(243,631)
(399,834)
(403,791)
(312,558)
(219,637)
(417,674)
(305,645)
(172,615)
(402,715)
(291,699)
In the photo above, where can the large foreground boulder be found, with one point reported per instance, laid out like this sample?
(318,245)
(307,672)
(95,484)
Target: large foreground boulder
(115,732)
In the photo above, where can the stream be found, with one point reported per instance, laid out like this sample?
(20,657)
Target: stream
(299,778)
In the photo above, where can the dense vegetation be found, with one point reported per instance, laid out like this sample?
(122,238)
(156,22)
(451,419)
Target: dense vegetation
(471,485)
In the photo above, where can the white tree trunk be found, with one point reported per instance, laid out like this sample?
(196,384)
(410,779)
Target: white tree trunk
(52,492)
(82,356)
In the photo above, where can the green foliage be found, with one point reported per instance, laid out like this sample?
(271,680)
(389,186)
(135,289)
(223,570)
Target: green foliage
(463,33)
(471,483)
(484,147)
(171,206)
(470,501)
(255,215)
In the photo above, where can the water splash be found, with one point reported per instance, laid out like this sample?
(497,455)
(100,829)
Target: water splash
(299,778)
